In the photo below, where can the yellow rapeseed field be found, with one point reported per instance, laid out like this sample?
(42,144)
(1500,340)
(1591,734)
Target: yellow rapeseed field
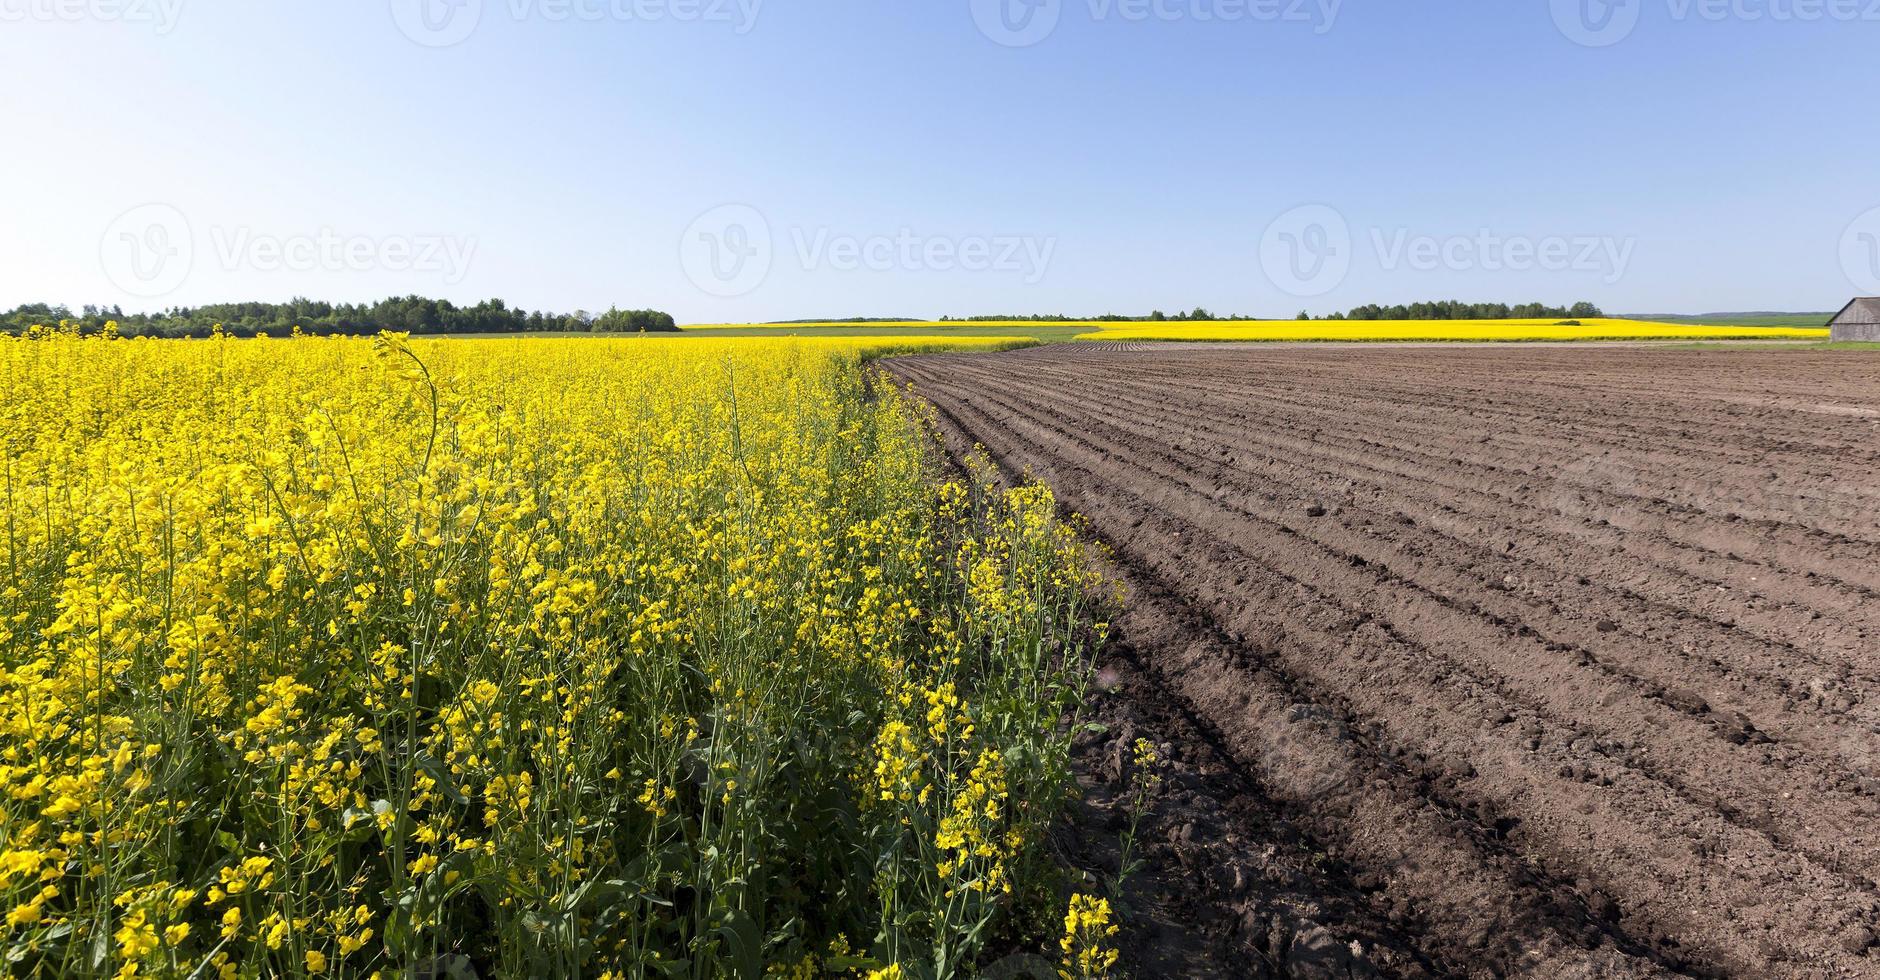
(1328,331)
(523,657)
(1502,331)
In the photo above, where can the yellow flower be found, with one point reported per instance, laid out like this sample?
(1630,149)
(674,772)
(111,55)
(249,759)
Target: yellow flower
(1087,953)
(353,605)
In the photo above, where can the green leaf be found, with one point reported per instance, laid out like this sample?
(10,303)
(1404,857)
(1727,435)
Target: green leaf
(743,944)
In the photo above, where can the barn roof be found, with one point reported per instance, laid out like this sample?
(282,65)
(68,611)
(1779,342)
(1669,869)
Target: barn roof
(1860,311)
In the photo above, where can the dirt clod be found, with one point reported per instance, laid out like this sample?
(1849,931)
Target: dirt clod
(1687,701)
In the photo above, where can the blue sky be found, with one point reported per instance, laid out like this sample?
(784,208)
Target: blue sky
(796,159)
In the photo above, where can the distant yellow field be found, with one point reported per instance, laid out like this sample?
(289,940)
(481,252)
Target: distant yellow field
(1443,330)
(1503,331)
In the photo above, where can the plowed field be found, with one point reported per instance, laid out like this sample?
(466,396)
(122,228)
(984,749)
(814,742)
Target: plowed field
(1554,661)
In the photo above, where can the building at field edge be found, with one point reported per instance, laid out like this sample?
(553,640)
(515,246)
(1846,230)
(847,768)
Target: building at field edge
(1859,321)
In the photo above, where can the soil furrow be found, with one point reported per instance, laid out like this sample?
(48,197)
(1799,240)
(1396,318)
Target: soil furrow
(1629,735)
(1413,614)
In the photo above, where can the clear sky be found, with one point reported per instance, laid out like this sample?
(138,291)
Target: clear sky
(770,159)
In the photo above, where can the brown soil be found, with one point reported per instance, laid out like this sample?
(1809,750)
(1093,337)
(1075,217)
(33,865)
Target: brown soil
(1475,661)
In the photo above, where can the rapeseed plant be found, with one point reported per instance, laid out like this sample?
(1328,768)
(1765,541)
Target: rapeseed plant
(537,657)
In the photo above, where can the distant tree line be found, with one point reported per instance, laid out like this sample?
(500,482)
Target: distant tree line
(408,314)
(1198,313)
(1450,309)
